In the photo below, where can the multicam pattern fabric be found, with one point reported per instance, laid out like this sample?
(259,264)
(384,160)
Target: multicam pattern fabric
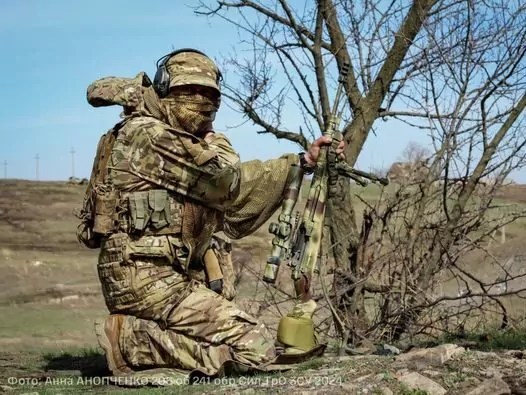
(140,275)
(223,147)
(204,330)
(189,68)
(126,92)
(148,153)
(173,320)
(224,257)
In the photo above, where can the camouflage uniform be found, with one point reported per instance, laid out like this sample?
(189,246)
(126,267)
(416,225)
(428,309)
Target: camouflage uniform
(170,192)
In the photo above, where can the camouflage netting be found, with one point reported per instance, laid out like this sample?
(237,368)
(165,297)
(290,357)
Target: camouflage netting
(261,193)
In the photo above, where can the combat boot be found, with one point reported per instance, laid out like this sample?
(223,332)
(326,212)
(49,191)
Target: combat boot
(107,332)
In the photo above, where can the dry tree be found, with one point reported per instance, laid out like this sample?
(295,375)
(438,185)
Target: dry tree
(452,69)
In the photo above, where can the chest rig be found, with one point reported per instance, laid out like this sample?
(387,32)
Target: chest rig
(106,210)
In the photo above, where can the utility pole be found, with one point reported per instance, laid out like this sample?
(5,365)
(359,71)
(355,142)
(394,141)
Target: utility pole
(5,169)
(36,166)
(72,152)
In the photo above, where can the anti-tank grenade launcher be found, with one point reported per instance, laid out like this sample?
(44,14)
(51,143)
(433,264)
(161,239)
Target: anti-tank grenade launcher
(297,236)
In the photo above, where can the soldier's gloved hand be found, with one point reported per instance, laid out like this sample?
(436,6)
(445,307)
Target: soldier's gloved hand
(311,156)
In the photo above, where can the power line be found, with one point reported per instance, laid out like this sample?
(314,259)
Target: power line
(37,158)
(72,152)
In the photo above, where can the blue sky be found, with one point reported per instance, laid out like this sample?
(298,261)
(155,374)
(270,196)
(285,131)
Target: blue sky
(53,49)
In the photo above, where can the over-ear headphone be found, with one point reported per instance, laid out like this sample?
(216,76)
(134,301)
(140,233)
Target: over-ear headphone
(161,81)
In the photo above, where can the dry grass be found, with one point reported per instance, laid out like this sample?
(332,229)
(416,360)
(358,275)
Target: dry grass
(40,259)
(49,290)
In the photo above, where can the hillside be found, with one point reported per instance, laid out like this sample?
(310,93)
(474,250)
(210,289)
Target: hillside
(50,296)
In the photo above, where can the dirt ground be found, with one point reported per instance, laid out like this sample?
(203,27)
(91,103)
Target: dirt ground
(515,193)
(50,297)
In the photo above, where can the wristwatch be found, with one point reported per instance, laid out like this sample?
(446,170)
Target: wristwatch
(308,169)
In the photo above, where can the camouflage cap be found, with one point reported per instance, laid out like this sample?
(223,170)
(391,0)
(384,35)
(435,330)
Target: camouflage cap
(187,68)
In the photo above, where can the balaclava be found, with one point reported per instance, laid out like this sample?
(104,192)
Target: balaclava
(185,106)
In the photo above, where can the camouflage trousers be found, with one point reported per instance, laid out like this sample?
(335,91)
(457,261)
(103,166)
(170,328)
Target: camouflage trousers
(171,319)
(203,331)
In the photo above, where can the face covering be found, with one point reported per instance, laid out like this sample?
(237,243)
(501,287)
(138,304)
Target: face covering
(191,111)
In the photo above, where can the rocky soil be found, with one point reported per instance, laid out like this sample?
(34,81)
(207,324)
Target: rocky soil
(445,369)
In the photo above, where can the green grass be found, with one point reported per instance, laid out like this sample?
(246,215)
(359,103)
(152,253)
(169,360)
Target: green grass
(492,340)
(87,352)
(46,327)
(388,376)
(451,380)
(312,364)
(405,390)
(74,370)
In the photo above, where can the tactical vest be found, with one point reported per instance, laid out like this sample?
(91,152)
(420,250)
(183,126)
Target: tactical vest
(106,210)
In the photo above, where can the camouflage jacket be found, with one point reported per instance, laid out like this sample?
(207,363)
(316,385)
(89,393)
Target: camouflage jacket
(232,196)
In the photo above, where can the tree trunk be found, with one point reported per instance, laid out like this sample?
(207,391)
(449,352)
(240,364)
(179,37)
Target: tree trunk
(344,241)
(344,231)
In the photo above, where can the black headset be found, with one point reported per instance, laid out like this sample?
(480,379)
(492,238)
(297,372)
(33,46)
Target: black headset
(161,81)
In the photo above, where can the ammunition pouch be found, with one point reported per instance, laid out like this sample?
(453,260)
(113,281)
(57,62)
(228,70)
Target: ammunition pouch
(104,220)
(143,213)
(153,212)
(106,211)
(148,209)
(100,201)
(97,215)
(139,214)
